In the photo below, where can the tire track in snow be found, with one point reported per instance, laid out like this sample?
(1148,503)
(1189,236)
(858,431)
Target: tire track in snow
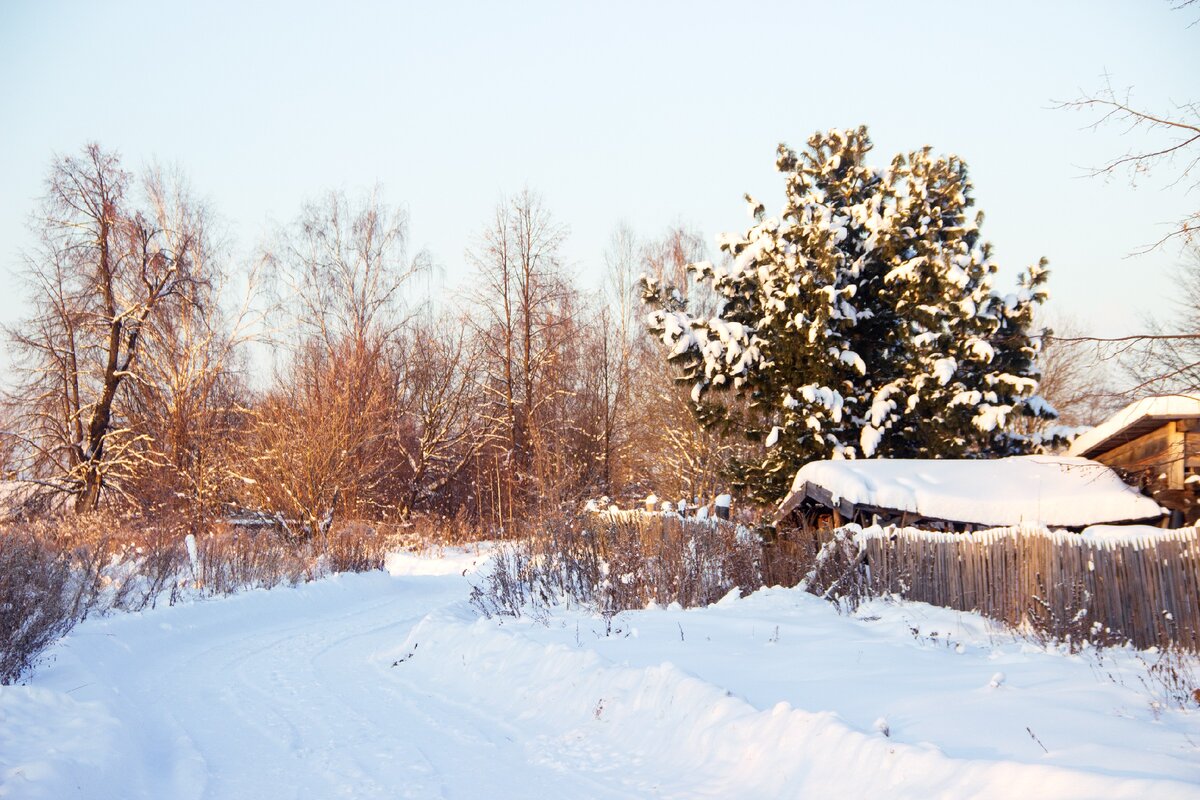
(292,694)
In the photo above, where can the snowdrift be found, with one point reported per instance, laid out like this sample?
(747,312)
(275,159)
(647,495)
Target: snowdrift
(704,741)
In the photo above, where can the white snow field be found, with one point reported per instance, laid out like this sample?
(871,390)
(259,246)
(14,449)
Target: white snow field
(390,685)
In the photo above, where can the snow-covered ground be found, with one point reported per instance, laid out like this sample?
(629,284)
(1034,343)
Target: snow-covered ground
(390,685)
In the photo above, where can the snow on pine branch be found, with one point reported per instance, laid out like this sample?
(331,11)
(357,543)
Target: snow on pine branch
(861,320)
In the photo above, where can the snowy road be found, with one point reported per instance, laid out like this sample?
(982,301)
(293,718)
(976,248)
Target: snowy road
(286,695)
(374,686)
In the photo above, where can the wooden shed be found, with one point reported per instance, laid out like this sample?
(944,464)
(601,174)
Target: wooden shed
(1154,444)
(969,494)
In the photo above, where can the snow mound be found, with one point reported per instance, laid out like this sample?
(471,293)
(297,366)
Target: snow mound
(40,729)
(704,740)
(1054,491)
(448,561)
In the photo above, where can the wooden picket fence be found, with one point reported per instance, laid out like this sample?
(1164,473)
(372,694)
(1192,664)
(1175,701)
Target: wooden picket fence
(1142,586)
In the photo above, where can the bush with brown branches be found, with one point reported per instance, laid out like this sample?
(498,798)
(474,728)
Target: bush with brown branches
(56,571)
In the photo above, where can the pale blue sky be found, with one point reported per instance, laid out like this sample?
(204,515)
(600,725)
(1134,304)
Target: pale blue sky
(647,112)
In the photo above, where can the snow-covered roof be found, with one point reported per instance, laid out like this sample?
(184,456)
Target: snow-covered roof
(1134,420)
(1057,491)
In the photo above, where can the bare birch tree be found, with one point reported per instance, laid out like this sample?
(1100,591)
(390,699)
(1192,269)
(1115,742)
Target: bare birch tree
(342,266)
(519,297)
(610,367)
(323,437)
(104,272)
(438,428)
(1167,359)
(1171,137)
(191,380)
(1174,145)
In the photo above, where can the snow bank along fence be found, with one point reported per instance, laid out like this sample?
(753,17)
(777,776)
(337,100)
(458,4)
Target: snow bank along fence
(1142,585)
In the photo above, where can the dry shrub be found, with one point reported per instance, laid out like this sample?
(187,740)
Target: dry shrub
(837,571)
(356,547)
(36,601)
(115,562)
(624,560)
(1172,678)
(433,530)
(795,555)
(160,559)
(620,561)
(230,560)
(56,571)
(1072,624)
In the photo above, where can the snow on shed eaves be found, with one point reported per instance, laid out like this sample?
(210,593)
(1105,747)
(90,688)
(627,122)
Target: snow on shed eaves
(1055,491)
(1134,420)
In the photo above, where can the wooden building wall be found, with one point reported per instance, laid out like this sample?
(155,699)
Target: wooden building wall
(1160,461)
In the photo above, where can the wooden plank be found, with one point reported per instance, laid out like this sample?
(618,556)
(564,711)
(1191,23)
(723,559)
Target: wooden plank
(1176,454)
(1148,448)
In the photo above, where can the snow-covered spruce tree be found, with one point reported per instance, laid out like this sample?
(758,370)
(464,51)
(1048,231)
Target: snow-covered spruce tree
(860,322)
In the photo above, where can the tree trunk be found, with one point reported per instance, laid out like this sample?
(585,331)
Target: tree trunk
(88,498)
